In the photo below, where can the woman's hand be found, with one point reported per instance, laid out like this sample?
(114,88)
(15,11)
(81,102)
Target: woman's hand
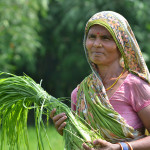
(102,145)
(58,120)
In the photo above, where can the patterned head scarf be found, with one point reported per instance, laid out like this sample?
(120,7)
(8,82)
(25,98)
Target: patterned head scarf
(92,102)
(121,31)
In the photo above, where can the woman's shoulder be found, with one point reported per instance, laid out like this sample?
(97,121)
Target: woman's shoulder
(136,87)
(134,80)
(74,92)
(139,92)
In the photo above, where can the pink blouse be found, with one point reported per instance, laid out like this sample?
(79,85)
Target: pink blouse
(132,96)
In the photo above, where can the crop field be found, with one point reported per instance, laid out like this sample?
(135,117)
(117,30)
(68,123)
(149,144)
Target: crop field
(55,139)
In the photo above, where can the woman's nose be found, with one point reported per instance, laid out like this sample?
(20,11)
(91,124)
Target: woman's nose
(97,43)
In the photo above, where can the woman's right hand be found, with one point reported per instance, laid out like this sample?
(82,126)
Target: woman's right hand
(58,120)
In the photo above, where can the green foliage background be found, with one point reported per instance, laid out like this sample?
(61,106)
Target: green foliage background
(43,38)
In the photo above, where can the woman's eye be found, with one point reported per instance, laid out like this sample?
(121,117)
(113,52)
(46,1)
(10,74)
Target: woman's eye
(92,37)
(106,37)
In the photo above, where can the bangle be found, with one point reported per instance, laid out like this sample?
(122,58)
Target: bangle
(124,146)
(120,146)
(129,145)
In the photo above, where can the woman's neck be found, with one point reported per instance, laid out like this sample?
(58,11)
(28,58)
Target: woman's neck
(109,72)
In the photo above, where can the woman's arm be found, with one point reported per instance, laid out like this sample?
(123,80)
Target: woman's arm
(144,143)
(141,144)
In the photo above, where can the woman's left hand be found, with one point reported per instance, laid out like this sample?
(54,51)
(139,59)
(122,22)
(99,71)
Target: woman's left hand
(102,145)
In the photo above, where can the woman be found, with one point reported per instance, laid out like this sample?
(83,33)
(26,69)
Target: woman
(119,81)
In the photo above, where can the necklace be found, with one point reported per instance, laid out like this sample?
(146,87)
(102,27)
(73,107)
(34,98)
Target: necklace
(116,80)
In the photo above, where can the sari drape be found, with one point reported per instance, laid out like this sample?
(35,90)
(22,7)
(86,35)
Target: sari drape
(92,102)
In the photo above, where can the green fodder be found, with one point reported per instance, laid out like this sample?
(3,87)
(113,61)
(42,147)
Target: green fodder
(19,94)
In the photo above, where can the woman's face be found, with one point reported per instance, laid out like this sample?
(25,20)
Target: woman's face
(101,46)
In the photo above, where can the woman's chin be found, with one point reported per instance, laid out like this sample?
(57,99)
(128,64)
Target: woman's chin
(97,61)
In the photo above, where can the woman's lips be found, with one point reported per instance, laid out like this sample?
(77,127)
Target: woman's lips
(97,53)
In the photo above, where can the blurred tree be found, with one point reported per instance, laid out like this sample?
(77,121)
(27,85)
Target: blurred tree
(19,39)
(45,41)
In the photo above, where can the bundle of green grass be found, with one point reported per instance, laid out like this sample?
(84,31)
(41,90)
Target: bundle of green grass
(19,94)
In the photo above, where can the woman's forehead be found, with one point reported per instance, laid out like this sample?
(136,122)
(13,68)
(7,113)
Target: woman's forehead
(98,29)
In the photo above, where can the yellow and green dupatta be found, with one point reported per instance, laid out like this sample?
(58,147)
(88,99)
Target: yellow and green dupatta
(92,102)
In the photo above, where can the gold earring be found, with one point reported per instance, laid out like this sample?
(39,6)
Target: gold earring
(122,62)
(100,45)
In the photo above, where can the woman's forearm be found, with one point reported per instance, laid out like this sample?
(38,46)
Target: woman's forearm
(141,144)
